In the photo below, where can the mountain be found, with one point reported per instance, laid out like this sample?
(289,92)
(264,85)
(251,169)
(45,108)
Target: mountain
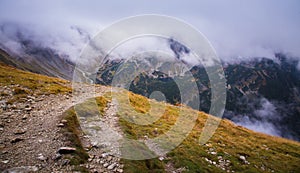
(262,94)
(38,59)
(54,133)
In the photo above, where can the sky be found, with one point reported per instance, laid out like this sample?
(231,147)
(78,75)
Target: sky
(236,29)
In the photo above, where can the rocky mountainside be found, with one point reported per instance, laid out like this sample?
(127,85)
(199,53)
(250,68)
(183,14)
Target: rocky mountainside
(262,94)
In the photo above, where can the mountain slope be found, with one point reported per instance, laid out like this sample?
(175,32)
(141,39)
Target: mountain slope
(40,60)
(232,148)
(262,94)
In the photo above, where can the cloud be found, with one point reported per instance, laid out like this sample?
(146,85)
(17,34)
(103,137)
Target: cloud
(237,30)
(265,119)
(68,42)
(260,126)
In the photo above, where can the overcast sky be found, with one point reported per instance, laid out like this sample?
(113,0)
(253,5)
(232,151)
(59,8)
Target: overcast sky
(236,28)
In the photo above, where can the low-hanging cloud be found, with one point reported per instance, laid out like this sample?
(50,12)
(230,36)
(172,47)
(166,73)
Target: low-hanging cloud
(14,38)
(238,30)
(265,119)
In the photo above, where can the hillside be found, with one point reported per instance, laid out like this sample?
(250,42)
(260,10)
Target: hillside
(39,60)
(262,94)
(37,119)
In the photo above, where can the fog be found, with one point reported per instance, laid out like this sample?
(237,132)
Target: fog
(265,119)
(238,30)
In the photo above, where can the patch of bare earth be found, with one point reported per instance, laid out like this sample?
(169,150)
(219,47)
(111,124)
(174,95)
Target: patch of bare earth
(31,137)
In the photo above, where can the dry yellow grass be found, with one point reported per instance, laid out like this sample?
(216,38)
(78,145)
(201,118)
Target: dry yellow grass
(265,153)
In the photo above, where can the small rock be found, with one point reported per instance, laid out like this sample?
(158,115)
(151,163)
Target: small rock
(5,161)
(243,158)
(109,158)
(66,150)
(57,156)
(95,144)
(213,153)
(60,125)
(20,131)
(41,157)
(104,155)
(25,117)
(120,170)
(64,121)
(28,109)
(65,162)
(15,140)
(161,158)
(95,171)
(22,169)
(105,165)
(112,166)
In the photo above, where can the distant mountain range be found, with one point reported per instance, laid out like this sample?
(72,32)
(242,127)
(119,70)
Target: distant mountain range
(262,94)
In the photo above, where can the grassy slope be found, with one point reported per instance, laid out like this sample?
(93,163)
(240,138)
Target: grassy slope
(229,141)
(265,153)
(24,83)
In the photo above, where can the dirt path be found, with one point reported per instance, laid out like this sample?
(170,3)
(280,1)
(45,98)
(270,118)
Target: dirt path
(30,136)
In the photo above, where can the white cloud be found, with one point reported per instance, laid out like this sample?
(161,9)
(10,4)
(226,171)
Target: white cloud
(236,29)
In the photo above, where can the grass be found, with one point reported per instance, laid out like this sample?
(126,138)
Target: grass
(73,131)
(140,117)
(265,153)
(24,83)
(92,106)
